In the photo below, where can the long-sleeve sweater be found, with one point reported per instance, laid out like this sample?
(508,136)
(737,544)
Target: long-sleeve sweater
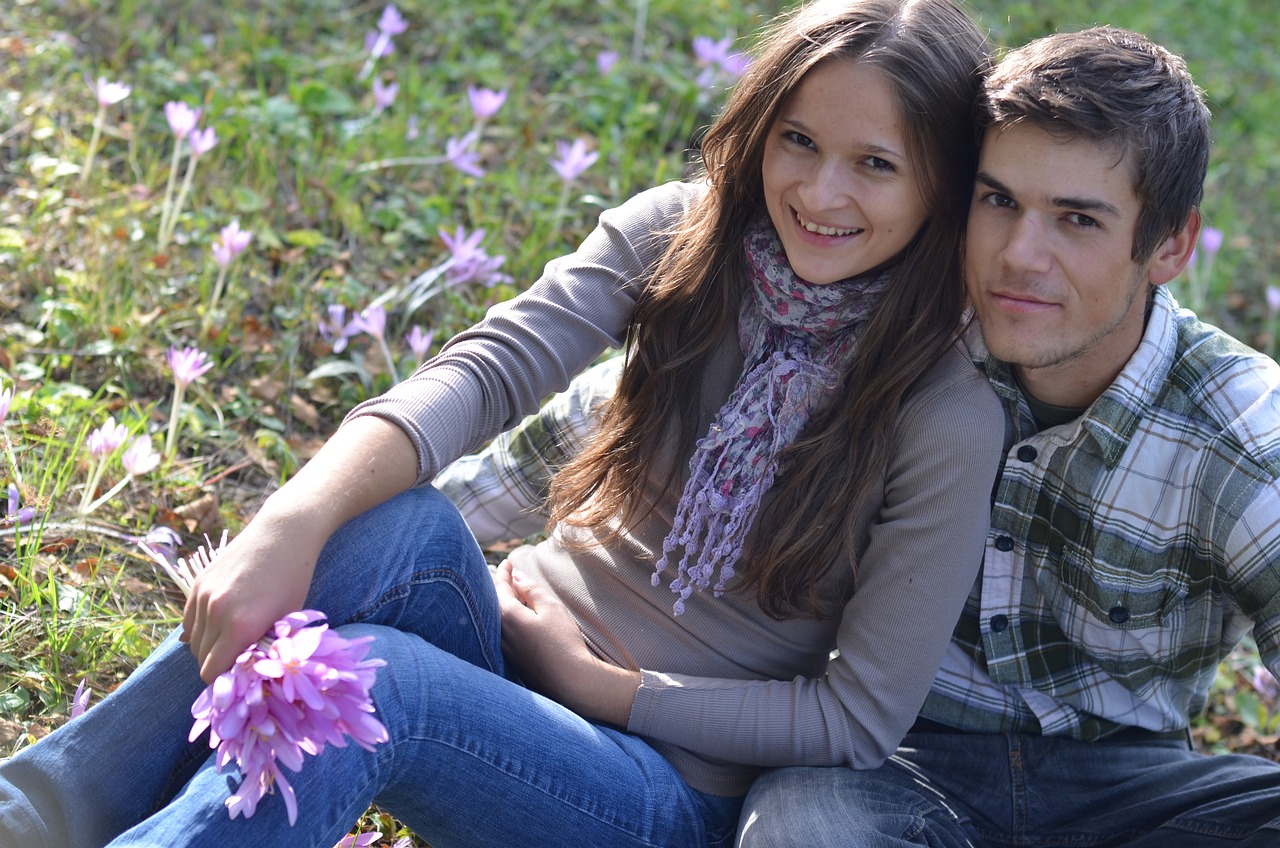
(726,688)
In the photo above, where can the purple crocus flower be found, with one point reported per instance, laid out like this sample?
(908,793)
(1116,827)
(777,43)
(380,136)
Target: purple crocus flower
(181,117)
(485,102)
(335,329)
(80,702)
(1211,240)
(716,60)
(735,64)
(459,153)
(605,60)
(109,93)
(1265,684)
(6,398)
(202,141)
(468,262)
(707,51)
(384,94)
(230,242)
(160,543)
(188,364)
(104,440)
(1273,304)
(419,341)
(572,159)
(14,511)
(291,694)
(362,840)
(377,44)
(464,249)
(140,458)
(391,23)
(372,321)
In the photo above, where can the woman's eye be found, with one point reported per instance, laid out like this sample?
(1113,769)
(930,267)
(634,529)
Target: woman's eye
(798,138)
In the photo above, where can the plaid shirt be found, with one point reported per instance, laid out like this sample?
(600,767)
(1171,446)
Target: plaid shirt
(502,491)
(1130,549)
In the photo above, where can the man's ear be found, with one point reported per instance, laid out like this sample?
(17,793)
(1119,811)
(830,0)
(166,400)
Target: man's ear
(1175,252)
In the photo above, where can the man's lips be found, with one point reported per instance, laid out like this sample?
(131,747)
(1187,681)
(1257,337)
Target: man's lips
(1018,302)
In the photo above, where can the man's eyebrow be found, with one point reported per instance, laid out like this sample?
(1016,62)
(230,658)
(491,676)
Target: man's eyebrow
(1080,204)
(991,182)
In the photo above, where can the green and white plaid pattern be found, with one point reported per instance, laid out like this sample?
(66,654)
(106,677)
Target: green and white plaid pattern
(1130,549)
(502,491)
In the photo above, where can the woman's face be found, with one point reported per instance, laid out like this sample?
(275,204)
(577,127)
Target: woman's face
(838,183)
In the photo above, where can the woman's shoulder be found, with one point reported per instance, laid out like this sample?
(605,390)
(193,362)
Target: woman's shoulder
(660,205)
(953,387)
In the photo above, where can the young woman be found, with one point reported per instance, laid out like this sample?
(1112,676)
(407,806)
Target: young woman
(797,459)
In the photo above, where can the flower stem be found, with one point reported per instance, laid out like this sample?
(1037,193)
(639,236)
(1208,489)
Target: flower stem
(108,496)
(167,204)
(386,354)
(213,300)
(637,34)
(182,196)
(13,461)
(174,415)
(98,121)
(95,476)
(378,47)
(562,205)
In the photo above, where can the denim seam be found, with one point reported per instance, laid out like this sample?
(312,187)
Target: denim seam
(401,591)
(523,778)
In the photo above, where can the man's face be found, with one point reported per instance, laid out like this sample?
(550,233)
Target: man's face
(1047,261)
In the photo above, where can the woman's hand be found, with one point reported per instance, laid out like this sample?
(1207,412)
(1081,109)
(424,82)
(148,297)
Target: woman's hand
(544,642)
(262,575)
(265,572)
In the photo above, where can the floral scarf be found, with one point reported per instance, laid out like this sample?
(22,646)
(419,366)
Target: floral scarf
(797,339)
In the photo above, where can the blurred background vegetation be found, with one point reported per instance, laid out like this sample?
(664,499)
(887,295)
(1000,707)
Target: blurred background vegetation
(346,201)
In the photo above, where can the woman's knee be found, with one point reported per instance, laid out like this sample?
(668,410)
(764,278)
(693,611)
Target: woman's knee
(382,554)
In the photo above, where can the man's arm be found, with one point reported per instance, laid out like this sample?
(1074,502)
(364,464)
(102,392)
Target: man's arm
(502,490)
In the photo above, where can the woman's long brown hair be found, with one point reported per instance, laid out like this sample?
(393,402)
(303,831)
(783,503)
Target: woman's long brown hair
(933,56)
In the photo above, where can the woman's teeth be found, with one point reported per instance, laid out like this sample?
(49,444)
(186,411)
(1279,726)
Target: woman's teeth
(825,231)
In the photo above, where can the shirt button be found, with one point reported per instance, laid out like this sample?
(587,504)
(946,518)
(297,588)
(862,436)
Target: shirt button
(1118,615)
(999,623)
(1026,453)
(1004,543)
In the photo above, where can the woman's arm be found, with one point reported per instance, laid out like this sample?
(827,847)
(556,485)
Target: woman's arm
(263,574)
(485,380)
(923,555)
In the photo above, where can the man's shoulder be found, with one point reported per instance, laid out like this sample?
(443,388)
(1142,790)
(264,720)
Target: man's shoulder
(1231,387)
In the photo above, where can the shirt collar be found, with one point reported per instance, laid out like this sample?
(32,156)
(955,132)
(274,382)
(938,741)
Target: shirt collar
(1111,419)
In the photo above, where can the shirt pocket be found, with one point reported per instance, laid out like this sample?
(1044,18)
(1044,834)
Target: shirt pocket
(1123,624)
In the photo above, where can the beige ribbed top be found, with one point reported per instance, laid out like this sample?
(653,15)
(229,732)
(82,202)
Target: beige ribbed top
(726,688)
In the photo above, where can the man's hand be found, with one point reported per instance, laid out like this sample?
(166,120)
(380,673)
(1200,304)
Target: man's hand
(544,642)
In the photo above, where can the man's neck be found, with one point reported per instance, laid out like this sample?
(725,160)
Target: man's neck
(1047,414)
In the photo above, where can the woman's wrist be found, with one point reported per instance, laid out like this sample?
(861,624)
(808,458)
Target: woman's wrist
(607,694)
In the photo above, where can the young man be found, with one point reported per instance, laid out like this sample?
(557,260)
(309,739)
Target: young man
(1135,532)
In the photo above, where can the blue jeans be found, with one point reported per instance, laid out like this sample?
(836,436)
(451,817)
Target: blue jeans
(948,790)
(474,758)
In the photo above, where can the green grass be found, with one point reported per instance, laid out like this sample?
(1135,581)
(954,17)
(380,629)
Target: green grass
(345,208)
